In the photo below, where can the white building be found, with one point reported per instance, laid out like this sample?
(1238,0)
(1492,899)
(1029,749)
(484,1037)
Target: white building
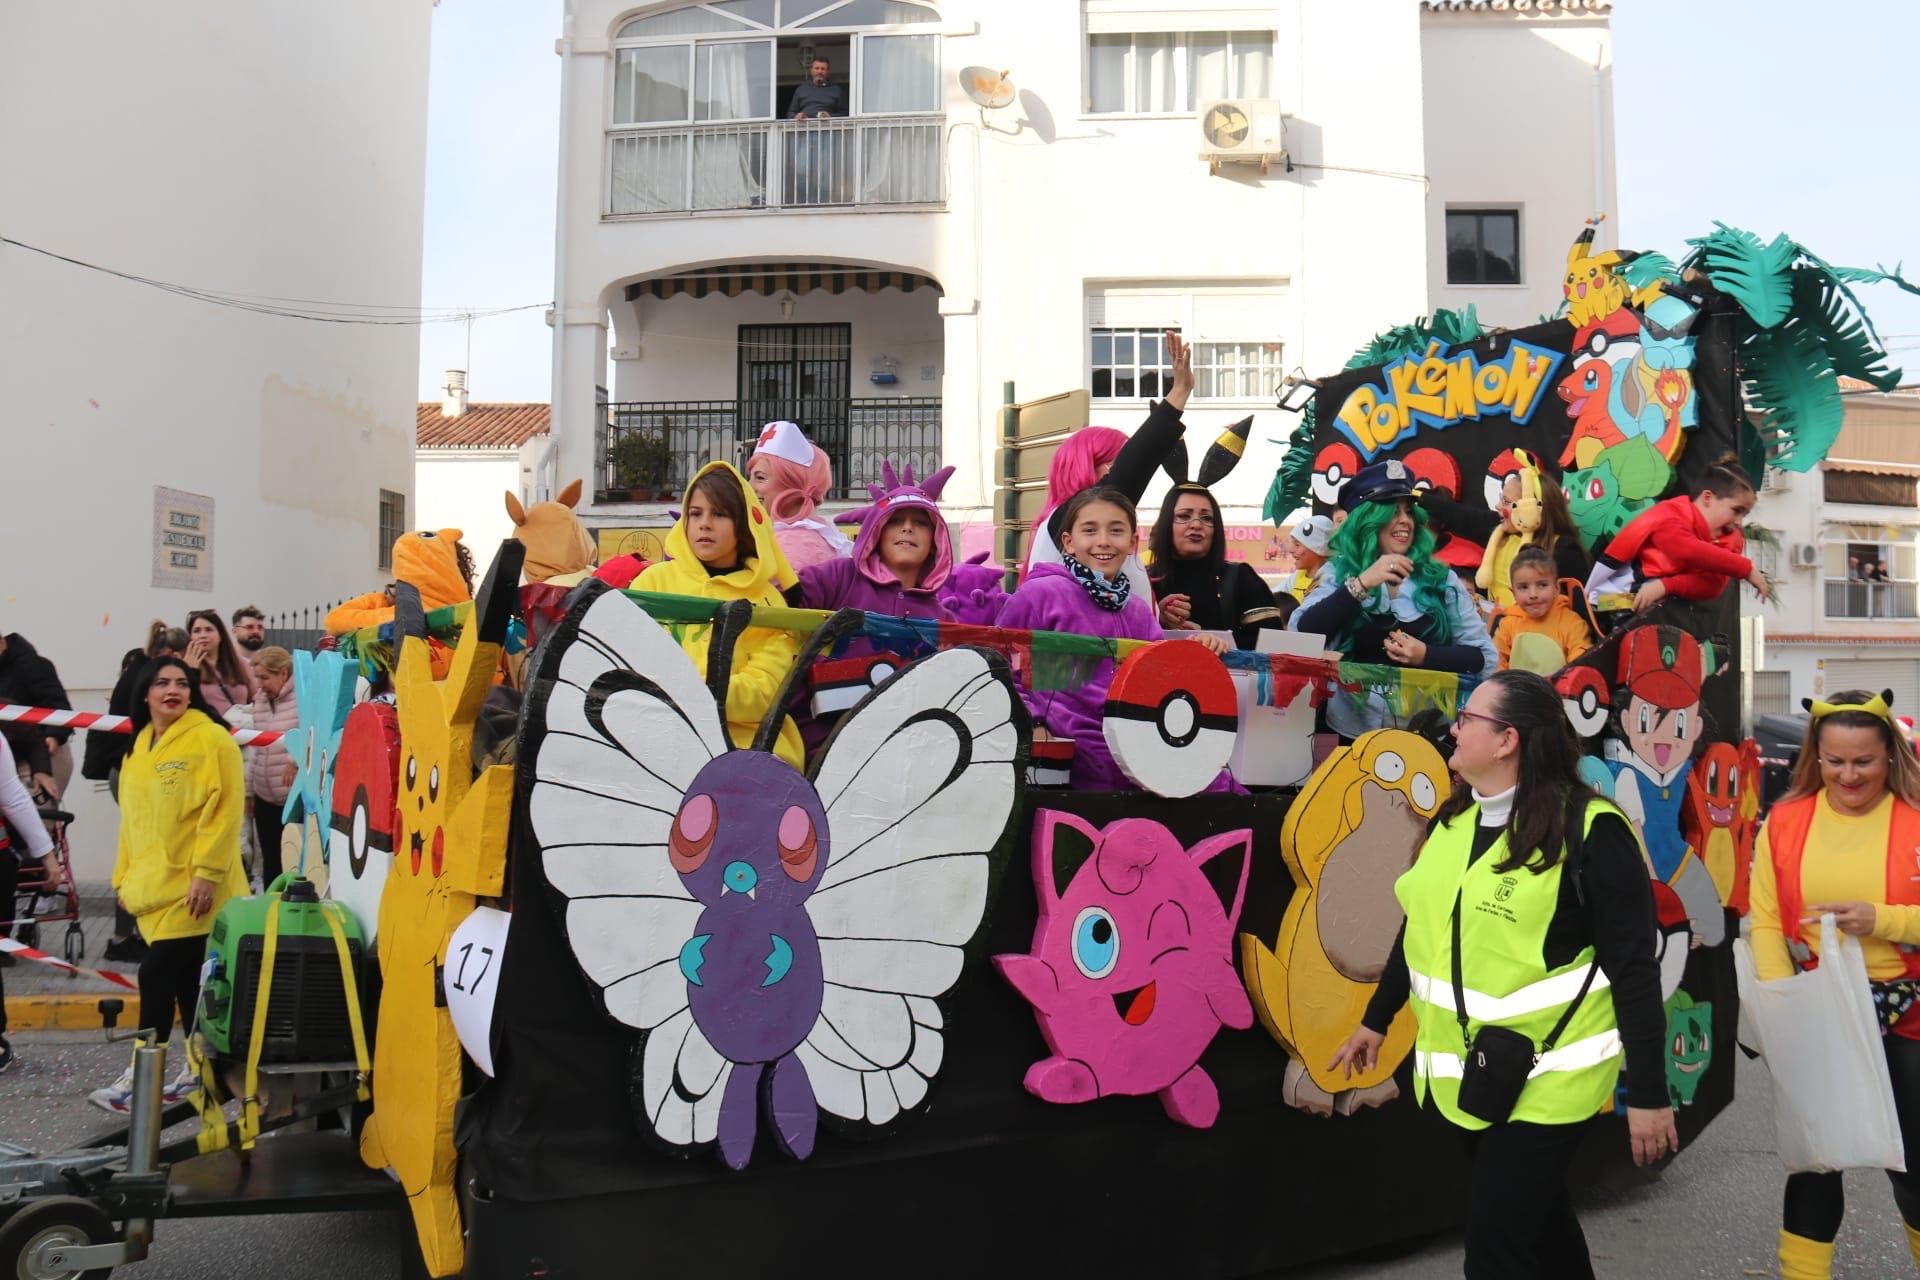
(467,458)
(164,453)
(880,276)
(1848,569)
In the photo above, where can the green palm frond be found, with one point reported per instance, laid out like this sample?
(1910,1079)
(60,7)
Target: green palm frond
(1293,478)
(1456,327)
(1877,274)
(1752,272)
(1644,269)
(1790,381)
(1844,331)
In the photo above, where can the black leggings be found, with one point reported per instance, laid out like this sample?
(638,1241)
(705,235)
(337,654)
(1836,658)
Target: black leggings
(266,834)
(1520,1219)
(1815,1202)
(9,883)
(170,979)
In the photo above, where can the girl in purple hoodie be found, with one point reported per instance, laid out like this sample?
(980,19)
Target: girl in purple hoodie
(1089,593)
(901,559)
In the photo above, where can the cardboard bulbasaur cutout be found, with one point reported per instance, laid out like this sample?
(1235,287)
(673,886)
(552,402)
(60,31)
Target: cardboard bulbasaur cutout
(323,687)
(1131,973)
(1355,827)
(1722,816)
(364,814)
(1170,717)
(778,943)
(450,848)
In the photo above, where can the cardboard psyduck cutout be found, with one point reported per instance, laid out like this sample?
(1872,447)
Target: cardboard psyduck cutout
(1520,515)
(1356,826)
(449,849)
(559,548)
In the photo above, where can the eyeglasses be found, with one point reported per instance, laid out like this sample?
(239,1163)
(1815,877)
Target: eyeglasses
(1465,716)
(1194,517)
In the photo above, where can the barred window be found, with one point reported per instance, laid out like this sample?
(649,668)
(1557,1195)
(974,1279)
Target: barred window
(393,523)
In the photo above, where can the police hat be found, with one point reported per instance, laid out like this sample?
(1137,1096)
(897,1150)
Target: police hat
(1388,481)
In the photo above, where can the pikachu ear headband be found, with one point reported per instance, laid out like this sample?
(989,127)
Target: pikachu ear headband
(1880,705)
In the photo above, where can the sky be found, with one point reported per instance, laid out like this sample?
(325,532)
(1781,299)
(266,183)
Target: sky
(1772,115)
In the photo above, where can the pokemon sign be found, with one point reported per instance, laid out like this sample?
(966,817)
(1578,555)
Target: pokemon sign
(1439,389)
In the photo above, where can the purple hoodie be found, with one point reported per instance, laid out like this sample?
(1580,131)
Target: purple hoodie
(862,580)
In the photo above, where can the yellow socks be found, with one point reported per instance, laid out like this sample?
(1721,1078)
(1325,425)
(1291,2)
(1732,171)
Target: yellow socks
(1913,1244)
(1804,1259)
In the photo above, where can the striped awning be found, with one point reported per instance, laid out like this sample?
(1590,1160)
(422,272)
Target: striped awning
(769,278)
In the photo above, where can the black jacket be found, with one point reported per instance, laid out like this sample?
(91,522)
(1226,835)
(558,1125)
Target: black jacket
(28,678)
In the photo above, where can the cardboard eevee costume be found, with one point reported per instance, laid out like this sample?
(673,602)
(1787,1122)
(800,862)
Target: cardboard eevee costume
(1226,595)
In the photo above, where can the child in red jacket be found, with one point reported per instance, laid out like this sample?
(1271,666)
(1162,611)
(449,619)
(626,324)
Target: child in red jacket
(1685,547)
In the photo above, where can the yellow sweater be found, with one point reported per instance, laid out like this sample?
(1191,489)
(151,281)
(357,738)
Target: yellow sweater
(1845,861)
(182,800)
(763,655)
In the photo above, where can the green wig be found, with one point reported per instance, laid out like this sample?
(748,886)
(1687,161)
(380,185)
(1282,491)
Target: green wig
(1356,545)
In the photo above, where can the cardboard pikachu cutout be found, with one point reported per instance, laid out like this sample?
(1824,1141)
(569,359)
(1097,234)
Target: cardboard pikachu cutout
(450,847)
(1356,825)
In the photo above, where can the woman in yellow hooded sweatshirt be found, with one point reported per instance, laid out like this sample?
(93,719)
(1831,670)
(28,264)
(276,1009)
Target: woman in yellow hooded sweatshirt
(182,797)
(723,548)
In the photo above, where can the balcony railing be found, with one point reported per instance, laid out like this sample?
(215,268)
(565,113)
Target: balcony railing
(648,450)
(1851,599)
(778,164)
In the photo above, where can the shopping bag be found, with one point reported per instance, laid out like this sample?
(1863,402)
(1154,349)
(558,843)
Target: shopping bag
(1832,1099)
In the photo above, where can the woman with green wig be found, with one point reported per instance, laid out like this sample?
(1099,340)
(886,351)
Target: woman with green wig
(1385,598)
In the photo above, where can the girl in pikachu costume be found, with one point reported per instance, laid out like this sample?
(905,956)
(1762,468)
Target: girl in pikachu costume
(723,548)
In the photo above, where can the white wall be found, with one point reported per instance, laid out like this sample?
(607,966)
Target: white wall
(265,149)
(466,489)
(1519,113)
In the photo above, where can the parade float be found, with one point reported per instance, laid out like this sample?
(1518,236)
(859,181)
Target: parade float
(636,995)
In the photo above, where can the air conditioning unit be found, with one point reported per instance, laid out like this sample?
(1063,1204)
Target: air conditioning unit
(1242,131)
(1774,480)
(1806,556)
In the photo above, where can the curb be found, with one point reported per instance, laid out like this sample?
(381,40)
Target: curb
(74,1011)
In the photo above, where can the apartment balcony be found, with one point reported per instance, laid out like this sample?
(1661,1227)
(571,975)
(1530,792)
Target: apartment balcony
(649,450)
(854,162)
(1891,600)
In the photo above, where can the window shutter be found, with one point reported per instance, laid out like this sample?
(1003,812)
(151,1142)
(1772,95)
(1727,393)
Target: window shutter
(1121,309)
(1239,317)
(1124,16)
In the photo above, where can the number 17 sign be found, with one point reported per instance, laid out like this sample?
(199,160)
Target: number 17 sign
(472,979)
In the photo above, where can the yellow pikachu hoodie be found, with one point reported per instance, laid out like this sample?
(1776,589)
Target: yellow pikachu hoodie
(763,655)
(181,805)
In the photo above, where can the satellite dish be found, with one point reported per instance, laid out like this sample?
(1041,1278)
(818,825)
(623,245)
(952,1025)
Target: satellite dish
(1226,125)
(986,87)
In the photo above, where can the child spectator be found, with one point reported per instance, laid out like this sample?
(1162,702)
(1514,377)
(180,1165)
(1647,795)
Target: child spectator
(1540,610)
(723,548)
(1089,592)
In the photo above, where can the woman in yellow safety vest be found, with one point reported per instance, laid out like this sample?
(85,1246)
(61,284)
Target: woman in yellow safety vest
(1555,977)
(1845,840)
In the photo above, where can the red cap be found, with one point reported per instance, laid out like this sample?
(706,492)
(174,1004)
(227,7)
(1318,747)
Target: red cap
(1661,665)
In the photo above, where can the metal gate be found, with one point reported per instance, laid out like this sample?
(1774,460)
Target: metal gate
(801,373)
(1902,675)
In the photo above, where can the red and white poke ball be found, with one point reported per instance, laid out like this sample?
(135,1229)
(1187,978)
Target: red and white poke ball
(1434,469)
(1672,939)
(1503,465)
(365,812)
(1170,718)
(1333,466)
(1586,699)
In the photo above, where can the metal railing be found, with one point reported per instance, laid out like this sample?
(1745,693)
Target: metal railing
(297,629)
(649,450)
(777,164)
(1847,598)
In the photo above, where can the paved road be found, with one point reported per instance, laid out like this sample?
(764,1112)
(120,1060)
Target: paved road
(1713,1213)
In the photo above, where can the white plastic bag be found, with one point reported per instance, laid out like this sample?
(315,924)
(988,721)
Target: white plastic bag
(1832,1100)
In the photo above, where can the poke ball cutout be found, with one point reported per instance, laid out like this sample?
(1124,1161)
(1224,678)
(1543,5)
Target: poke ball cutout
(364,812)
(1333,466)
(1434,469)
(1171,716)
(1672,940)
(1585,698)
(1503,465)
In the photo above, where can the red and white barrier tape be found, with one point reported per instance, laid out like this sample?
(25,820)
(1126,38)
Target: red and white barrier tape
(21,949)
(101,722)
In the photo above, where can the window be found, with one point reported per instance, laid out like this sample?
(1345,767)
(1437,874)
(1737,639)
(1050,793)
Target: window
(1173,72)
(1130,364)
(1236,370)
(393,523)
(1483,246)
(1870,572)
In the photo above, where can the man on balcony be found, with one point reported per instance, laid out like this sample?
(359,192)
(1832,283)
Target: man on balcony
(817,157)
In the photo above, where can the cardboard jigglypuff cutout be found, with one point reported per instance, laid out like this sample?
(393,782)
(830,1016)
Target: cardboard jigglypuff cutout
(450,848)
(1357,824)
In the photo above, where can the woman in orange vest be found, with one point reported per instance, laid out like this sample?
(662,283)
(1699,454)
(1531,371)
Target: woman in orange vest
(1845,840)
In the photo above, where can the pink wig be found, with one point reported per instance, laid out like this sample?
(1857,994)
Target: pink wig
(796,489)
(1076,461)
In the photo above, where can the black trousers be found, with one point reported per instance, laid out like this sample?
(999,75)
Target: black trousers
(1520,1219)
(1815,1202)
(266,835)
(9,883)
(170,980)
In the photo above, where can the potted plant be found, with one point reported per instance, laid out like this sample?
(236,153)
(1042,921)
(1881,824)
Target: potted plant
(640,462)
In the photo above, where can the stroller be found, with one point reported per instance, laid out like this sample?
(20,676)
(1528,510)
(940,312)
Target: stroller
(42,899)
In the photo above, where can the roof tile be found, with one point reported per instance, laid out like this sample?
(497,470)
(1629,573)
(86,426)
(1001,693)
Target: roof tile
(482,426)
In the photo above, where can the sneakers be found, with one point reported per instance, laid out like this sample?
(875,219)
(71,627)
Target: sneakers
(6,1053)
(116,1097)
(131,949)
(184,1085)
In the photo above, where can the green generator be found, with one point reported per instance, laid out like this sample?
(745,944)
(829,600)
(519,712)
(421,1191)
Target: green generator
(306,1016)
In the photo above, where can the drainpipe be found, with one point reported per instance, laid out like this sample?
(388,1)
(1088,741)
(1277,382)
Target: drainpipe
(559,417)
(1599,201)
